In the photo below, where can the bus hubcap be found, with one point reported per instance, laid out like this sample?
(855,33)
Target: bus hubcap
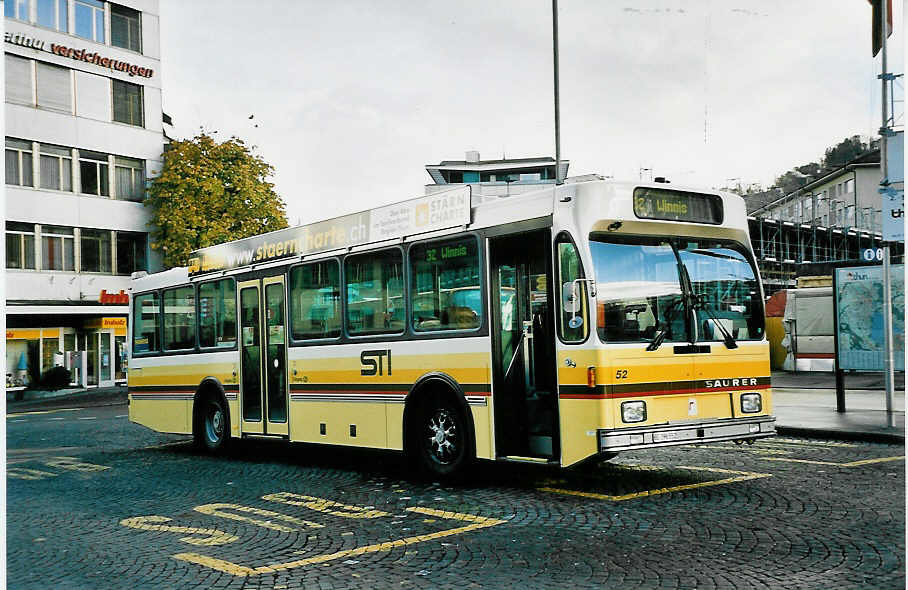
(442,436)
(216,425)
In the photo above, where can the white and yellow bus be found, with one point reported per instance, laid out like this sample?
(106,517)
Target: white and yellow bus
(552,327)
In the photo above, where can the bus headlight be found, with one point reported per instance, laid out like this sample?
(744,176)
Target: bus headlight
(751,403)
(633,411)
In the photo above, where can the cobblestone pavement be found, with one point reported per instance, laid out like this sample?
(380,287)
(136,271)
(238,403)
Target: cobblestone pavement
(96,502)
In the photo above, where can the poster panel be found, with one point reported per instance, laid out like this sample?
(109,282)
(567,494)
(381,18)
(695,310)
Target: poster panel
(859,317)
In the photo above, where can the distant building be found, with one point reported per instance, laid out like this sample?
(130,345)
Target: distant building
(84,132)
(847,197)
(494,178)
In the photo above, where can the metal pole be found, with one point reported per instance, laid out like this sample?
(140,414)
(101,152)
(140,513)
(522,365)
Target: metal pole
(887,291)
(558,179)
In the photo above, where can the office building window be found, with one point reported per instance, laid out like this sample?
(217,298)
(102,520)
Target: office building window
(125,28)
(93,169)
(56,168)
(19,86)
(20,245)
(17,9)
(53,14)
(57,248)
(54,88)
(19,162)
(90,20)
(127,103)
(130,177)
(95,250)
(93,96)
(130,253)
(849,185)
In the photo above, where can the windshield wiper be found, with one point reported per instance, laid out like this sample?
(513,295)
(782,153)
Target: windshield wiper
(700,303)
(657,340)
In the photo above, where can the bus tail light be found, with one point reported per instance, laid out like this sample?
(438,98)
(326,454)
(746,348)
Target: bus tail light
(591,377)
(633,411)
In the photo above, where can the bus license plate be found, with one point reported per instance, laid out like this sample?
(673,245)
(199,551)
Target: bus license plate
(664,436)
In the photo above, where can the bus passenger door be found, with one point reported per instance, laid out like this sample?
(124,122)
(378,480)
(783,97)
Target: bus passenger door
(524,392)
(263,346)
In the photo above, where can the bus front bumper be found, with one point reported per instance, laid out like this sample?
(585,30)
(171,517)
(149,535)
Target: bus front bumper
(665,435)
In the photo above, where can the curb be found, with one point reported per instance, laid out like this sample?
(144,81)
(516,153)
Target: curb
(826,433)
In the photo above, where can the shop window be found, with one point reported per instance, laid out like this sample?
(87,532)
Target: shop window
(179,318)
(19,162)
(20,245)
(19,86)
(56,168)
(90,20)
(54,87)
(130,179)
(315,300)
(93,169)
(57,248)
(130,253)
(125,28)
(53,14)
(444,289)
(127,103)
(217,314)
(146,323)
(572,302)
(375,292)
(17,9)
(95,250)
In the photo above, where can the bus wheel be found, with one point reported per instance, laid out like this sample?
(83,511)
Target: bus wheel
(442,440)
(211,429)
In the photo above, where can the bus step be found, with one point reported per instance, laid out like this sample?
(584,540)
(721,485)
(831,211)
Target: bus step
(537,460)
(265,436)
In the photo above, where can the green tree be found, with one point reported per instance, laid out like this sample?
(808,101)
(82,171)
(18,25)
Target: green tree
(209,193)
(845,151)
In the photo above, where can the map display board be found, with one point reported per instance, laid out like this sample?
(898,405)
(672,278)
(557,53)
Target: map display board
(859,317)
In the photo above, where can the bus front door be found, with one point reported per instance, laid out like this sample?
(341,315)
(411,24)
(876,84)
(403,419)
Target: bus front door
(263,346)
(524,391)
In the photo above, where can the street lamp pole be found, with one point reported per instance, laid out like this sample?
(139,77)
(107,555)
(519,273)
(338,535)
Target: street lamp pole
(884,168)
(558,179)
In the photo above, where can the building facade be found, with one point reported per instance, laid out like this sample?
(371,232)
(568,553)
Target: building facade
(493,179)
(84,132)
(847,197)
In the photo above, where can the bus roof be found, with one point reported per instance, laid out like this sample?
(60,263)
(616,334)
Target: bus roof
(434,213)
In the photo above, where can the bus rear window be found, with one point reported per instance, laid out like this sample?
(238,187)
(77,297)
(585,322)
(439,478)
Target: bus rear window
(146,323)
(444,286)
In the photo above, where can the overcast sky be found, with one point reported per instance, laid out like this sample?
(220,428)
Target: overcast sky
(352,99)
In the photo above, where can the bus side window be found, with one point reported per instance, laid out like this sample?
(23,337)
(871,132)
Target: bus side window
(179,318)
(573,300)
(217,314)
(444,286)
(315,300)
(146,323)
(375,299)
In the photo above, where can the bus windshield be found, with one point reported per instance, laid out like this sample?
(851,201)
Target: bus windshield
(640,289)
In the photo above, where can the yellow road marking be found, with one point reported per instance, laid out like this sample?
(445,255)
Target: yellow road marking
(477,522)
(219,510)
(830,463)
(36,412)
(788,441)
(739,476)
(322,505)
(23,473)
(73,464)
(145,523)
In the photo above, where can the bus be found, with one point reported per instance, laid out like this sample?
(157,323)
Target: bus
(554,327)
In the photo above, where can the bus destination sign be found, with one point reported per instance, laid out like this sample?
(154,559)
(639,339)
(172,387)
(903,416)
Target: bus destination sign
(416,216)
(671,205)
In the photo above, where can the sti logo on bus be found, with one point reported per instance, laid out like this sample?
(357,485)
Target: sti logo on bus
(372,362)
